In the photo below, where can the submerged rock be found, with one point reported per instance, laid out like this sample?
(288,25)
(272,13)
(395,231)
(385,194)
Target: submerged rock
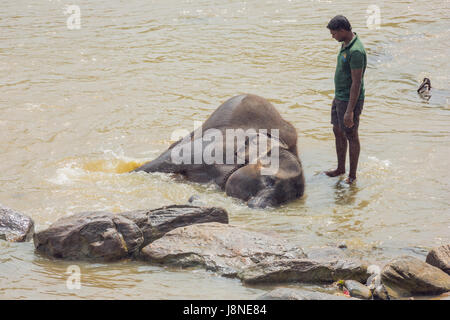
(196,200)
(14,226)
(221,248)
(342,245)
(358,290)
(300,294)
(407,276)
(440,258)
(107,236)
(325,253)
(305,270)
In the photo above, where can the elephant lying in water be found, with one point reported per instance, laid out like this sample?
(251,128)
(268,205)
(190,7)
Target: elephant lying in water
(223,150)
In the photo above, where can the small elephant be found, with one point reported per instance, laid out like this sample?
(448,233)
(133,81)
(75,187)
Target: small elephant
(246,148)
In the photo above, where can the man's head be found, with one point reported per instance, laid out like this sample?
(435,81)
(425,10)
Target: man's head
(340,28)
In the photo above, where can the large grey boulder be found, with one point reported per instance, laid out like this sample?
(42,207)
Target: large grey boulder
(305,270)
(106,236)
(221,248)
(300,294)
(90,235)
(440,258)
(157,222)
(407,276)
(14,226)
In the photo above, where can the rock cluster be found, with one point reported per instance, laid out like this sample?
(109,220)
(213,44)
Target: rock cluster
(107,236)
(187,236)
(407,276)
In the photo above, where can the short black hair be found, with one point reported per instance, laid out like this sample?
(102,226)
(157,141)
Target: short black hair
(339,22)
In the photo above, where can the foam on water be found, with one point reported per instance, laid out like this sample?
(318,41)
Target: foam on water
(67,175)
(382,164)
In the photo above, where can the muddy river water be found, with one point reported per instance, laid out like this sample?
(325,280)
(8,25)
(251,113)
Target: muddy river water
(80,107)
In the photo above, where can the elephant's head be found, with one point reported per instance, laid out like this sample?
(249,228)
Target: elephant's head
(268,190)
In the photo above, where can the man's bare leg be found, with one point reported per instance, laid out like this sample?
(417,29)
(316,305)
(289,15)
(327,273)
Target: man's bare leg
(341,151)
(353,140)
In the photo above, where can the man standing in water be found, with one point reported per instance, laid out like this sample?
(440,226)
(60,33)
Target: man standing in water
(349,95)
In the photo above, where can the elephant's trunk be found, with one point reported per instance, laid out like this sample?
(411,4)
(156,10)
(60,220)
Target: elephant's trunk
(263,199)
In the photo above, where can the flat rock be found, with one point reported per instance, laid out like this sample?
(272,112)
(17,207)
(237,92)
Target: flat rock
(300,294)
(14,226)
(358,290)
(157,222)
(221,248)
(108,237)
(440,258)
(305,270)
(407,276)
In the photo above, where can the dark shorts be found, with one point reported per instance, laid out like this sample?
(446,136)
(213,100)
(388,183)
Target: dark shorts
(338,108)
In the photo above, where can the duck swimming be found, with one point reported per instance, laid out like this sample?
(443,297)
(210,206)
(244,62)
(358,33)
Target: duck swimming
(424,89)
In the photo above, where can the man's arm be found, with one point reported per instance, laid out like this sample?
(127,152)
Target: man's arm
(354,95)
(356,66)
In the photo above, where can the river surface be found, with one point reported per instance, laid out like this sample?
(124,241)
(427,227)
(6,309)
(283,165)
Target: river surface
(81,107)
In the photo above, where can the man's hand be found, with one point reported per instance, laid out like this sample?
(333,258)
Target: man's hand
(348,119)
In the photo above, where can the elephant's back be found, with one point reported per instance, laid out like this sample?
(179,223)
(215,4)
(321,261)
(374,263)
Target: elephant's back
(257,111)
(246,110)
(223,115)
(251,111)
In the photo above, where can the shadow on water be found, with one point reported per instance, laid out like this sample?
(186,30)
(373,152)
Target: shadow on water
(345,194)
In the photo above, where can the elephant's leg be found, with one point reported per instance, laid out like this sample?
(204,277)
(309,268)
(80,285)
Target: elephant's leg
(244,183)
(184,157)
(165,163)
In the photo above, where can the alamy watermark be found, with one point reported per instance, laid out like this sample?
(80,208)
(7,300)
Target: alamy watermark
(73,281)
(260,147)
(373,17)
(74,20)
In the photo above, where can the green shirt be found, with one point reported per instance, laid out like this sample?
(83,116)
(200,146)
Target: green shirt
(351,56)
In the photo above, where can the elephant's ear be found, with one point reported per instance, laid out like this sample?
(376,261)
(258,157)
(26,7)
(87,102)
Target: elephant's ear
(256,140)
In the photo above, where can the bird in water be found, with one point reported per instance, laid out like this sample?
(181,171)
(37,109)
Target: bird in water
(424,89)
